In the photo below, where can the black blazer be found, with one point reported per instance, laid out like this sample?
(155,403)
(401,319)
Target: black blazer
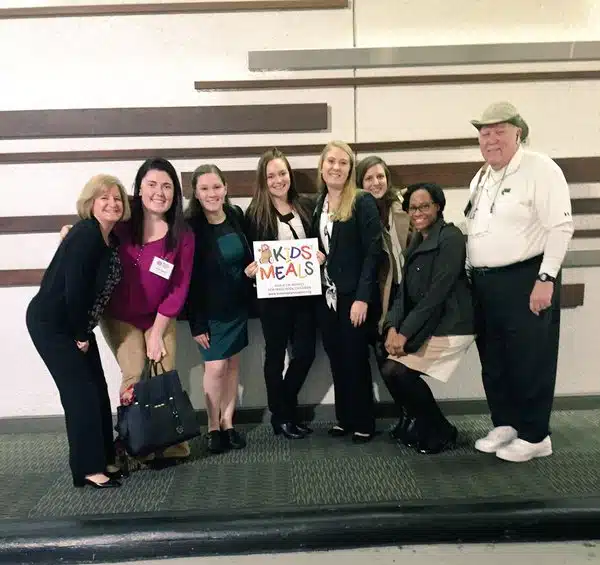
(256,233)
(355,249)
(210,277)
(434,297)
(75,277)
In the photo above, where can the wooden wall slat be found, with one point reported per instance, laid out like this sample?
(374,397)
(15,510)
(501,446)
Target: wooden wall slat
(121,9)
(187,120)
(447,175)
(34,224)
(349,82)
(572,295)
(585,206)
(223,152)
(586,234)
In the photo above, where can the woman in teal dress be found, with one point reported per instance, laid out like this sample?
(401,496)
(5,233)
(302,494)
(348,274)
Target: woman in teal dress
(218,300)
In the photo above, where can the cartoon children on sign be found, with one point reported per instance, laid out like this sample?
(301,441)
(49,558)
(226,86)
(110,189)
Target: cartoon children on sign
(287,268)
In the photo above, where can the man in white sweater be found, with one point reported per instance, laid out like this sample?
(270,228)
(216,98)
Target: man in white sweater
(519,225)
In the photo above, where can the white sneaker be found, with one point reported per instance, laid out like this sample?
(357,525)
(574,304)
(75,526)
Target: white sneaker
(519,450)
(497,438)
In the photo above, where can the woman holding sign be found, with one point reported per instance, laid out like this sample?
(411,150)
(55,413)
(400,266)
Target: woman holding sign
(346,221)
(278,212)
(218,300)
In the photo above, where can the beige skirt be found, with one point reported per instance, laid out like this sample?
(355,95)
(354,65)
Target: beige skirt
(438,357)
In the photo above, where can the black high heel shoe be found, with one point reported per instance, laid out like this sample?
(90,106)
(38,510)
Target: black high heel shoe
(288,430)
(111,483)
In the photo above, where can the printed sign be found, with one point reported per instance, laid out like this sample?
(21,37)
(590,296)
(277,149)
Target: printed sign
(287,268)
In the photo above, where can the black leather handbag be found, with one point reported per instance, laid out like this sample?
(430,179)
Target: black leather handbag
(161,414)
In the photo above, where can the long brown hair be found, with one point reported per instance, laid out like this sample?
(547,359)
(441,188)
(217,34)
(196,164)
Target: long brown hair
(261,210)
(391,195)
(349,192)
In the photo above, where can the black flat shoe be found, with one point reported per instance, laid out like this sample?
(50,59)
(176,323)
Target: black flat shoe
(111,483)
(232,439)
(304,429)
(215,442)
(362,438)
(288,430)
(337,431)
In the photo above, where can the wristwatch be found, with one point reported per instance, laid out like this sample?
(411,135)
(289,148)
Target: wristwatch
(545,277)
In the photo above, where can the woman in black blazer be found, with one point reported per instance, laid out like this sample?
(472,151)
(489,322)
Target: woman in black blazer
(61,318)
(347,223)
(278,212)
(430,324)
(218,300)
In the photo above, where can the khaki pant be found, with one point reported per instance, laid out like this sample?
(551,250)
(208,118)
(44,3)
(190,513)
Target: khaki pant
(128,345)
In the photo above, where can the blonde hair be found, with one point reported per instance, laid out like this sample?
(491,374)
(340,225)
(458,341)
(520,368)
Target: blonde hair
(349,192)
(94,188)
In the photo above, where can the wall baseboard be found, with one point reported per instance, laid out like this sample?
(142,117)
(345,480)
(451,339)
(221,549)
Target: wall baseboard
(320,412)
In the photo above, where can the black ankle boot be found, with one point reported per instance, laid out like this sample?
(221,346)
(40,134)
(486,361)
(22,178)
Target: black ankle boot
(410,435)
(438,441)
(232,439)
(399,429)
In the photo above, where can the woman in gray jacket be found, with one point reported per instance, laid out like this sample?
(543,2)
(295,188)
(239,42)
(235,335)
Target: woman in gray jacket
(430,324)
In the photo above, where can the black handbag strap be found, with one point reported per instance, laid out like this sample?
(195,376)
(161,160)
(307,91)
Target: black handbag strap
(151,369)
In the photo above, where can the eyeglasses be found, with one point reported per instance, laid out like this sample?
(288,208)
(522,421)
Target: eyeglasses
(423,208)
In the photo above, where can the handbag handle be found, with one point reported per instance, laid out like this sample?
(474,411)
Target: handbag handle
(151,369)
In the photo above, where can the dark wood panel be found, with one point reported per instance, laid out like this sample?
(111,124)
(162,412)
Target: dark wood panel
(571,294)
(586,234)
(585,206)
(345,82)
(187,120)
(169,8)
(447,175)
(223,152)
(21,277)
(34,224)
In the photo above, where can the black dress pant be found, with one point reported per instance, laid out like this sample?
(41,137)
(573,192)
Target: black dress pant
(518,350)
(347,348)
(83,394)
(287,321)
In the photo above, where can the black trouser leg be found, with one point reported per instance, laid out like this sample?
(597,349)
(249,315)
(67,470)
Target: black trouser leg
(277,323)
(348,350)
(93,357)
(303,340)
(525,375)
(75,376)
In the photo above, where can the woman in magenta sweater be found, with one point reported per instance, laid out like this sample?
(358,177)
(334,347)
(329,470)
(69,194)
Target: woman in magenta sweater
(156,250)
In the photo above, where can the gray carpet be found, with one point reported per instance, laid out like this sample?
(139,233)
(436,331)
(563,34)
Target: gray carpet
(274,472)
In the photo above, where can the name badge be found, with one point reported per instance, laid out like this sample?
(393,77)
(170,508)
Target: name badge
(161,268)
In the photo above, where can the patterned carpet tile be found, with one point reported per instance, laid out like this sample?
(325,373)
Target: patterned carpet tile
(230,485)
(355,480)
(318,470)
(145,491)
(34,453)
(21,491)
